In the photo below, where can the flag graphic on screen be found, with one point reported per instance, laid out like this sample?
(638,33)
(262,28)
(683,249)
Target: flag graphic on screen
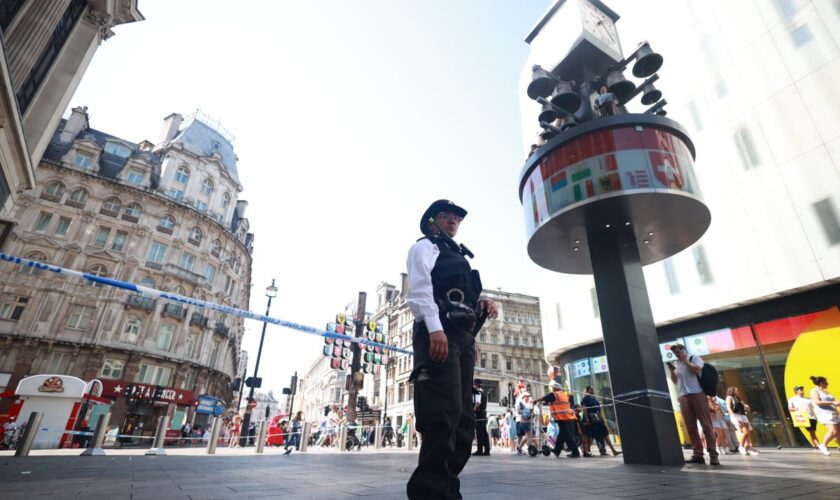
(559,181)
(584,190)
(608,183)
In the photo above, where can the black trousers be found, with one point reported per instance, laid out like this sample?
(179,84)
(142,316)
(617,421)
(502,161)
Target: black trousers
(568,431)
(444,415)
(481,437)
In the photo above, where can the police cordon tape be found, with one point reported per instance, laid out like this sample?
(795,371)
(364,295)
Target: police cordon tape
(152,292)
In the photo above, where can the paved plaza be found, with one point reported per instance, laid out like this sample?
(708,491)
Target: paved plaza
(241,474)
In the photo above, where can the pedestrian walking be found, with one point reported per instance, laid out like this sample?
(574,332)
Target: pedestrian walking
(738,414)
(480,405)
(563,414)
(444,297)
(693,404)
(805,406)
(493,427)
(825,408)
(234,429)
(524,417)
(718,425)
(294,437)
(595,427)
(512,431)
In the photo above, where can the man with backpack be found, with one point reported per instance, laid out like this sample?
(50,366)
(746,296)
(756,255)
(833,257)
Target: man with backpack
(686,373)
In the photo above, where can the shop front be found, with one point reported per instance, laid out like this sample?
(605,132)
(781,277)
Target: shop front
(143,406)
(764,360)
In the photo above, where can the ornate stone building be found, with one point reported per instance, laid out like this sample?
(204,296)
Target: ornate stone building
(46,48)
(164,215)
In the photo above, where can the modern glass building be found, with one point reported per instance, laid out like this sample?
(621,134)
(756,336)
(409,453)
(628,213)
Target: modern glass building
(755,84)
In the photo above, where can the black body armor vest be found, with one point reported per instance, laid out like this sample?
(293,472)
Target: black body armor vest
(453,272)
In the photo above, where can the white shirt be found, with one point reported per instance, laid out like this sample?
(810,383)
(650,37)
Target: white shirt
(687,382)
(420,298)
(802,404)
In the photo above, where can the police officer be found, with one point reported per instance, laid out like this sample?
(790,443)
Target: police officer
(444,297)
(480,404)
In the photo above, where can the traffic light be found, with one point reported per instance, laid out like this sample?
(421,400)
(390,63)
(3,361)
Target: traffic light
(339,351)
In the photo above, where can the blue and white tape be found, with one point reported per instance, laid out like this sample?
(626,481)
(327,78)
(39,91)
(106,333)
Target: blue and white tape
(151,292)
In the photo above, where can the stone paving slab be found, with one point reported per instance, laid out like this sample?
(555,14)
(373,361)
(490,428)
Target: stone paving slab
(773,475)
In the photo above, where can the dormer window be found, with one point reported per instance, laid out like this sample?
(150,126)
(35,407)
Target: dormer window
(225,200)
(135,176)
(182,175)
(83,160)
(117,149)
(207,187)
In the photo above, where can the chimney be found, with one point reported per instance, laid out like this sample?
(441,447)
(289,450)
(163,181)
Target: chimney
(241,205)
(170,128)
(77,122)
(403,284)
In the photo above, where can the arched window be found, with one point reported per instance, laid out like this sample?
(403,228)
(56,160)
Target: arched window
(78,197)
(207,187)
(26,269)
(112,205)
(167,222)
(96,270)
(216,248)
(54,188)
(133,210)
(195,234)
(179,290)
(148,281)
(182,175)
(225,200)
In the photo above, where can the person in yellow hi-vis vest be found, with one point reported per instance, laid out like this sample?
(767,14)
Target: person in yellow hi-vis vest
(562,412)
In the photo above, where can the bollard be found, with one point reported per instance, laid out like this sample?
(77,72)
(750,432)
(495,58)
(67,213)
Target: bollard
(410,436)
(377,437)
(95,448)
(342,438)
(160,435)
(261,436)
(304,437)
(28,436)
(214,436)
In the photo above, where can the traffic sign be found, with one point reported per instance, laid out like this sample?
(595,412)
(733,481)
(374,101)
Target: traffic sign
(253,403)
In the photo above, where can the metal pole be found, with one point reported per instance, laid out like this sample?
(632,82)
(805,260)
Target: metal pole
(214,436)
(160,435)
(29,434)
(342,438)
(304,437)
(294,391)
(261,436)
(410,435)
(98,437)
(357,357)
(246,421)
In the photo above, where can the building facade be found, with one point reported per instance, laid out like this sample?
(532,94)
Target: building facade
(320,387)
(754,83)
(163,215)
(46,48)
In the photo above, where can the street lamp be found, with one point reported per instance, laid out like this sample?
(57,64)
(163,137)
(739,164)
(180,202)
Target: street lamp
(270,292)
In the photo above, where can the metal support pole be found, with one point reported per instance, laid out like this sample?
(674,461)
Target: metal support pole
(246,421)
(98,437)
(214,436)
(160,435)
(263,426)
(304,437)
(649,431)
(377,437)
(357,358)
(410,435)
(29,434)
(342,438)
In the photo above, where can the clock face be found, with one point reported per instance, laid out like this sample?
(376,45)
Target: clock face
(601,25)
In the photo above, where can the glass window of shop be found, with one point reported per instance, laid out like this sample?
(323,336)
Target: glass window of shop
(593,372)
(764,360)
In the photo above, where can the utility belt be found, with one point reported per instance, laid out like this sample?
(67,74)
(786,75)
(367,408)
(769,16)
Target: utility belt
(454,312)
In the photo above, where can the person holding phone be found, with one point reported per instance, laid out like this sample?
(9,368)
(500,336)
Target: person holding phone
(693,403)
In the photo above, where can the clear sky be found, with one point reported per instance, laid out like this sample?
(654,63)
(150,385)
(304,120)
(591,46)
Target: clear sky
(350,118)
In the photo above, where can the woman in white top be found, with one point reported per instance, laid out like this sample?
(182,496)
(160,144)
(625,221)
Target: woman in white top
(738,416)
(825,408)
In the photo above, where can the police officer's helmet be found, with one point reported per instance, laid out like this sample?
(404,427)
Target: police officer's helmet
(436,208)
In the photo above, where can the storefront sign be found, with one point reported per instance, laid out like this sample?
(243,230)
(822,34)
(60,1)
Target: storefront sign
(209,405)
(119,388)
(51,385)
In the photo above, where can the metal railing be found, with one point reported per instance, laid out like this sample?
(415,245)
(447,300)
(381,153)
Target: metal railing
(222,329)
(198,320)
(138,302)
(174,310)
(185,274)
